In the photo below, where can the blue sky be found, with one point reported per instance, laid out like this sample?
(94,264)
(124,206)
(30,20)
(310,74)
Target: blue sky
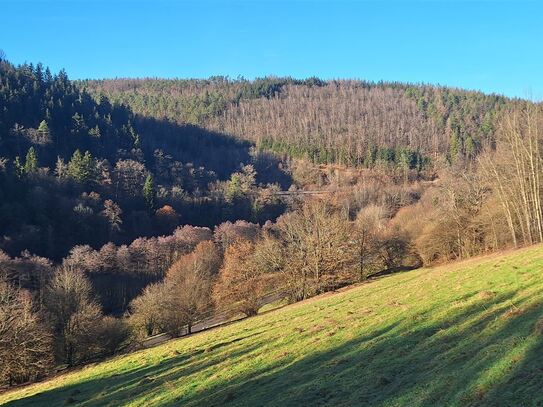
(494,46)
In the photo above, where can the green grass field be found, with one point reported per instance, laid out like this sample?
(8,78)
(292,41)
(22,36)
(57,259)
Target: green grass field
(464,334)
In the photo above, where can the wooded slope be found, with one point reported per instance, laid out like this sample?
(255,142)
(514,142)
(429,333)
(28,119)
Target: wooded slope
(341,121)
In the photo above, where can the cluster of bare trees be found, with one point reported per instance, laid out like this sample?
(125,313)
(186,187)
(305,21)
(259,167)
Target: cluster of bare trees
(242,280)
(63,326)
(120,272)
(452,219)
(216,272)
(341,114)
(182,298)
(80,331)
(152,256)
(494,203)
(314,249)
(514,171)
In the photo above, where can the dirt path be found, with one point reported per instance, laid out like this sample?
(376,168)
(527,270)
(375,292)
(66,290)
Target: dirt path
(214,321)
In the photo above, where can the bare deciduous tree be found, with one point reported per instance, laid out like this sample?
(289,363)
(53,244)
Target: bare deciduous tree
(317,243)
(146,311)
(73,315)
(514,171)
(25,344)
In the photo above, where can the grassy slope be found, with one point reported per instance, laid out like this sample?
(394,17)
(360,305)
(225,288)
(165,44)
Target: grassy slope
(464,334)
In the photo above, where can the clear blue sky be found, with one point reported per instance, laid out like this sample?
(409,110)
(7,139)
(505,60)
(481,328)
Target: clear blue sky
(494,46)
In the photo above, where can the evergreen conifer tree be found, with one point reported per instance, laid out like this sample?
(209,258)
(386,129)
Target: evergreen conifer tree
(149,192)
(82,168)
(31,161)
(43,130)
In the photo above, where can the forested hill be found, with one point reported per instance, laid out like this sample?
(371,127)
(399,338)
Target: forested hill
(75,169)
(342,121)
(111,160)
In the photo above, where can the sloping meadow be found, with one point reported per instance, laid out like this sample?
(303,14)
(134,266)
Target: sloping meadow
(469,333)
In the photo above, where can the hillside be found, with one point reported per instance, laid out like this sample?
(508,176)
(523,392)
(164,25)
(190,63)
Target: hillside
(346,122)
(64,152)
(469,333)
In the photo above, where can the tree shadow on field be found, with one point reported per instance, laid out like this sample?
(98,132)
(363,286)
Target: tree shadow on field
(434,358)
(144,379)
(523,386)
(415,364)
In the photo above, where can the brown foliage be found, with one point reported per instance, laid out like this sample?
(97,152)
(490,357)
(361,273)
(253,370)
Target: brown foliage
(183,298)
(188,284)
(241,284)
(452,220)
(227,233)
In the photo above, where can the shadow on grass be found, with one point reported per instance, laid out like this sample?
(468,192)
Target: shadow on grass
(140,380)
(461,357)
(412,364)
(523,386)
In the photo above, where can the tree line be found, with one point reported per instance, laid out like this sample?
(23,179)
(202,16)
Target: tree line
(493,203)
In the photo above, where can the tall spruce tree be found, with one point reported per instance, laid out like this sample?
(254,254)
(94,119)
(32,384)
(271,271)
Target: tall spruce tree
(149,192)
(82,168)
(31,161)
(43,131)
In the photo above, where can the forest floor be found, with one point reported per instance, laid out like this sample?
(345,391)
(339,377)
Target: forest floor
(463,334)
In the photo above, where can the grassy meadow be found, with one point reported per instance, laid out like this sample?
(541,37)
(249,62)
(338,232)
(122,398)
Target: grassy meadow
(463,334)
